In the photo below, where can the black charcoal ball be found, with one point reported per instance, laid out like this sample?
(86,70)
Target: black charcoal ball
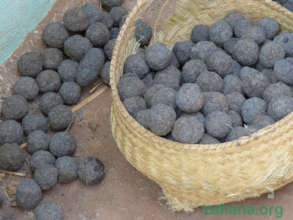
(28,194)
(130,86)
(143,32)
(76,47)
(271,27)
(218,124)
(105,73)
(230,44)
(41,158)
(210,81)
(68,70)
(220,62)
(49,81)
(55,34)
(134,105)
(76,19)
(46,176)
(30,64)
(162,119)
(200,33)
(94,13)
(70,93)
(233,17)
(169,77)
(262,121)
(12,157)
(286,41)
(232,84)
(143,117)
(238,132)
(256,33)
(280,107)
(108,48)
(60,117)
(208,139)
(235,101)
(270,53)
(50,100)
(117,13)
(136,64)
(241,27)
(49,211)
(236,118)
(150,93)
(52,58)
(284,71)
(91,171)
(26,87)
(98,34)
(37,140)
(220,32)
(192,69)
(33,122)
(165,96)
(158,56)
(108,4)
(276,90)
(11,132)
(14,107)
(252,108)
(67,169)
(214,101)
(114,32)
(62,144)
(202,50)
(148,80)
(182,50)
(246,52)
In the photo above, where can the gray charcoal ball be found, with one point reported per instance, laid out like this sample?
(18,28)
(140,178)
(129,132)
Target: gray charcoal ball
(107,20)
(276,90)
(270,53)
(91,170)
(271,27)
(253,82)
(214,101)
(46,176)
(49,211)
(252,108)
(98,34)
(26,87)
(210,81)
(130,86)
(158,56)
(188,130)
(136,64)
(233,17)
(14,107)
(236,118)
(30,64)
(286,41)
(208,139)
(108,48)
(150,92)
(162,119)
(182,50)
(28,194)
(200,33)
(143,32)
(108,4)
(34,121)
(70,93)
(76,47)
(60,117)
(37,140)
(105,73)
(220,32)
(189,98)
(256,33)
(235,101)
(117,13)
(169,77)
(192,69)
(114,32)
(55,34)
(62,144)
(284,71)
(221,63)
(218,124)
(262,121)
(12,157)
(202,50)
(280,108)
(238,132)
(232,84)
(67,169)
(76,19)
(41,158)
(52,58)
(93,11)
(134,105)
(165,96)
(241,27)
(49,81)
(50,100)
(230,44)
(68,70)
(148,80)
(11,132)
(246,52)
(143,117)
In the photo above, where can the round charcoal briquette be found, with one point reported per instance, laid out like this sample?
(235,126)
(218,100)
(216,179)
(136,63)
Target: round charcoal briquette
(30,64)
(208,139)
(284,71)
(49,81)
(41,158)
(189,98)
(136,64)
(246,52)
(276,90)
(143,117)
(70,93)
(62,144)
(162,119)
(105,73)
(114,32)
(12,157)
(235,101)
(68,70)
(14,107)
(33,122)
(117,14)
(148,80)
(98,34)
(150,92)
(221,63)
(28,194)
(192,69)
(286,41)
(46,176)
(52,58)
(134,105)
(220,32)
(11,132)
(214,101)
(262,121)
(49,211)
(93,11)
(108,48)
(130,86)
(67,169)
(202,50)
(233,17)
(218,124)
(210,81)
(60,117)
(50,100)
(252,108)
(256,33)
(76,19)
(55,34)
(253,82)
(270,26)
(236,118)
(238,132)
(230,44)
(280,107)
(200,33)
(165,96)
(91,171)
(76,47)
(37,140)
(143,32)
(158,56)
(182,50)
(232,84)
(169,77)
(270,53)
(26,87)
(107,19)
(241,27)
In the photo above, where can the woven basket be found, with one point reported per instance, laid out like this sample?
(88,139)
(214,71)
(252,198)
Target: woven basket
(198,175)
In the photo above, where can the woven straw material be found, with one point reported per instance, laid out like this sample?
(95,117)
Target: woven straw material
(198,175)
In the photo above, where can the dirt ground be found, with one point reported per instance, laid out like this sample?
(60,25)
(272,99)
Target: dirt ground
(125,194)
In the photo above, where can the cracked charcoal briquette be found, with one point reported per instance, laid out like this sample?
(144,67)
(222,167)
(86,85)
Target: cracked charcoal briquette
(230,44)
(236,118)
(210,81)
(41,158)
(134,105)
(270,26)
(12,157)
(150,92)
(130,86)
(143,117)
(136,64)
(76,47)
(218,124)
(200,33)
(286,41)
(241,27)
(14,107)
(284,71)
(108,4)
(91,170)
(49,81)
(52,58)
(46,176)
(276,90)
(262,121)
(214,101)
(48,211)
(270,53)
(117,13)
(67,169)
(221,63)
(30,64)
(34,121)
(208,139)
(238,132)
(232,84)
(37,140)
(108,48)
(158,56)
(143,32)
(220,32)
(246,52)
(98,34)
(233,17)
(202,50)
(68,70)
(235,101)
(62,144)
(76,19)
(93,11)
(55,34)
(256,33)
(50,100)
(169,77)
(252,108)
(60,117)
(165,96)
(70,92)
(26,87)
(281,107)
(105,74)
(11,132)
(192,69)
(182,50)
